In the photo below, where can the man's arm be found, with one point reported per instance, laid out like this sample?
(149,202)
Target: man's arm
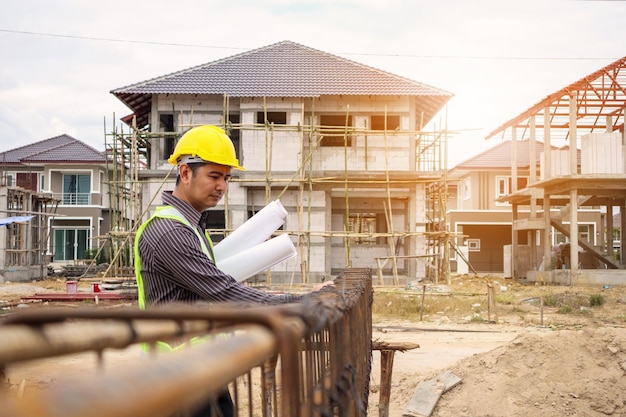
(177,257)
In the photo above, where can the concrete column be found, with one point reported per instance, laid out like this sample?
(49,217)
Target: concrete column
(608,232)
(411,227)
(513,160)
(547,233)
(514,242)
(547,163)
(573,148)
(533,151)
(624,142)
(573,233)
(622,240)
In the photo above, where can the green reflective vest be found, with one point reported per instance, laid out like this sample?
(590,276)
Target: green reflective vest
(165,212)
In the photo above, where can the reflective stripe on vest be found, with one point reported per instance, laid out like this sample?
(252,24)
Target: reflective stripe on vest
(165,212)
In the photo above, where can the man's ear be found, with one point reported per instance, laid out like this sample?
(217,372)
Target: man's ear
(185,172)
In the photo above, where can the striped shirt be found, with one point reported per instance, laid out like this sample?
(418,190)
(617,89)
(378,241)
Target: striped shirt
(174,268)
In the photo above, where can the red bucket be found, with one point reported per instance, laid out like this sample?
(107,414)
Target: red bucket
(72,286)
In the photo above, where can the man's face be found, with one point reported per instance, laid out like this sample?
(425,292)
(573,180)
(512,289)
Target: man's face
(206,186)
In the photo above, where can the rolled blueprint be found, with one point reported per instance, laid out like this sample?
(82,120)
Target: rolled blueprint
(255,230)
(245,264)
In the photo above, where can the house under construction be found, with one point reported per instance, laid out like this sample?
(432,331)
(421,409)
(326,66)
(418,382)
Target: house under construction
(586,171)
(342,145)
(24,232)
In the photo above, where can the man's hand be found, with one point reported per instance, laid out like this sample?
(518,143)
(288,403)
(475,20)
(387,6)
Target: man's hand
(321,285)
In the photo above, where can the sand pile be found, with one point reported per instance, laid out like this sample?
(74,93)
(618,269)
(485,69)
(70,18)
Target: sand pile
(561,373)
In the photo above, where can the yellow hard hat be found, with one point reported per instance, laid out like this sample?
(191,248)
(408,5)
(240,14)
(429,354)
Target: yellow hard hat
(206,143)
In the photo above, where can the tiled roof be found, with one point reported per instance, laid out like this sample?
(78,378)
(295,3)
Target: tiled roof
(59,149)
(499,157)
(284,69)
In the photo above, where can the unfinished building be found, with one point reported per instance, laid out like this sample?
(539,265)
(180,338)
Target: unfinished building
(586,170)
(24,232)
(343,146)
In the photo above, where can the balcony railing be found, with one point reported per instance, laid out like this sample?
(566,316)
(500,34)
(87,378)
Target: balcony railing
(73,199)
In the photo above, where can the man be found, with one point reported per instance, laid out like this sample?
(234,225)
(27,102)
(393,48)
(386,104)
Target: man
(173,255)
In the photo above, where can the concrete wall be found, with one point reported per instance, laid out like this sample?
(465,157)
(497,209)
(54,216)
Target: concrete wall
(23,273)
(583,277)
(282,152)
(602,153)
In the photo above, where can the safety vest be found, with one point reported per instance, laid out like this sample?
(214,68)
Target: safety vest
(166,212)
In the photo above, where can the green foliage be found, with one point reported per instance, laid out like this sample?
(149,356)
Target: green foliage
(477,318)
(596,300)
(397,305)
(506,298)
(90,253)
(568,303)
(103,256)
(408,305)
(566,309)
(551,300)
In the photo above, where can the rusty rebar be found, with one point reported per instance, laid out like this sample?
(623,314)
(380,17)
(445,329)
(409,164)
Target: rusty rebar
(313,357)
(158,386)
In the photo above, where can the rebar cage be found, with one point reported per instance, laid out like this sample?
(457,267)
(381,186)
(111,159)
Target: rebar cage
(310,358)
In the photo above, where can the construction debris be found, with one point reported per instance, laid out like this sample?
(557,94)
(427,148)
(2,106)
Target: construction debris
(427,394)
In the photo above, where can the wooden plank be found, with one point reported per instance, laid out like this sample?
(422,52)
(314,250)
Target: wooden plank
(427,394)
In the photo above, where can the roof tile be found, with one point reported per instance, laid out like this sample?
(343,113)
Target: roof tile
(58,149)
(284,69)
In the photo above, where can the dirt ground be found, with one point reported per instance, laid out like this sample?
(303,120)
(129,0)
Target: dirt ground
(567,358)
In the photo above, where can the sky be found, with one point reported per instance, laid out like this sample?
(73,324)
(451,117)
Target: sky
(61,58)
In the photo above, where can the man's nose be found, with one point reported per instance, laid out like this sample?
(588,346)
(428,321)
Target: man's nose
(222,184)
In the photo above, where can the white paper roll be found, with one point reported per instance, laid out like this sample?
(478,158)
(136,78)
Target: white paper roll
(247,263)
(254,231)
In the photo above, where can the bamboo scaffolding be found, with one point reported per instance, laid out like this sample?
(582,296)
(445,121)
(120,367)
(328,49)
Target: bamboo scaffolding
(430,168)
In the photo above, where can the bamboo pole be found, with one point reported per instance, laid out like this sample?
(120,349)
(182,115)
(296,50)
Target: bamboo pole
(225,112)
(306,180)
(269,142)
(346,188)
(389,213)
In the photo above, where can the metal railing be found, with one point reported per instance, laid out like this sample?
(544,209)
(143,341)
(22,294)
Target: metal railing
(310,358)
(73,199)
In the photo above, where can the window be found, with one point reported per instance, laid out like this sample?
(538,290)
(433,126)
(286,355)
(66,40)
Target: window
(585,232)
(235,133)
(76,189)
(465,189)
(275,117)
(333,129)
(504,185)
(70,244)
(473,245)
(10,180)
(27,180)
(365,224)
(378,122)
(166,124)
